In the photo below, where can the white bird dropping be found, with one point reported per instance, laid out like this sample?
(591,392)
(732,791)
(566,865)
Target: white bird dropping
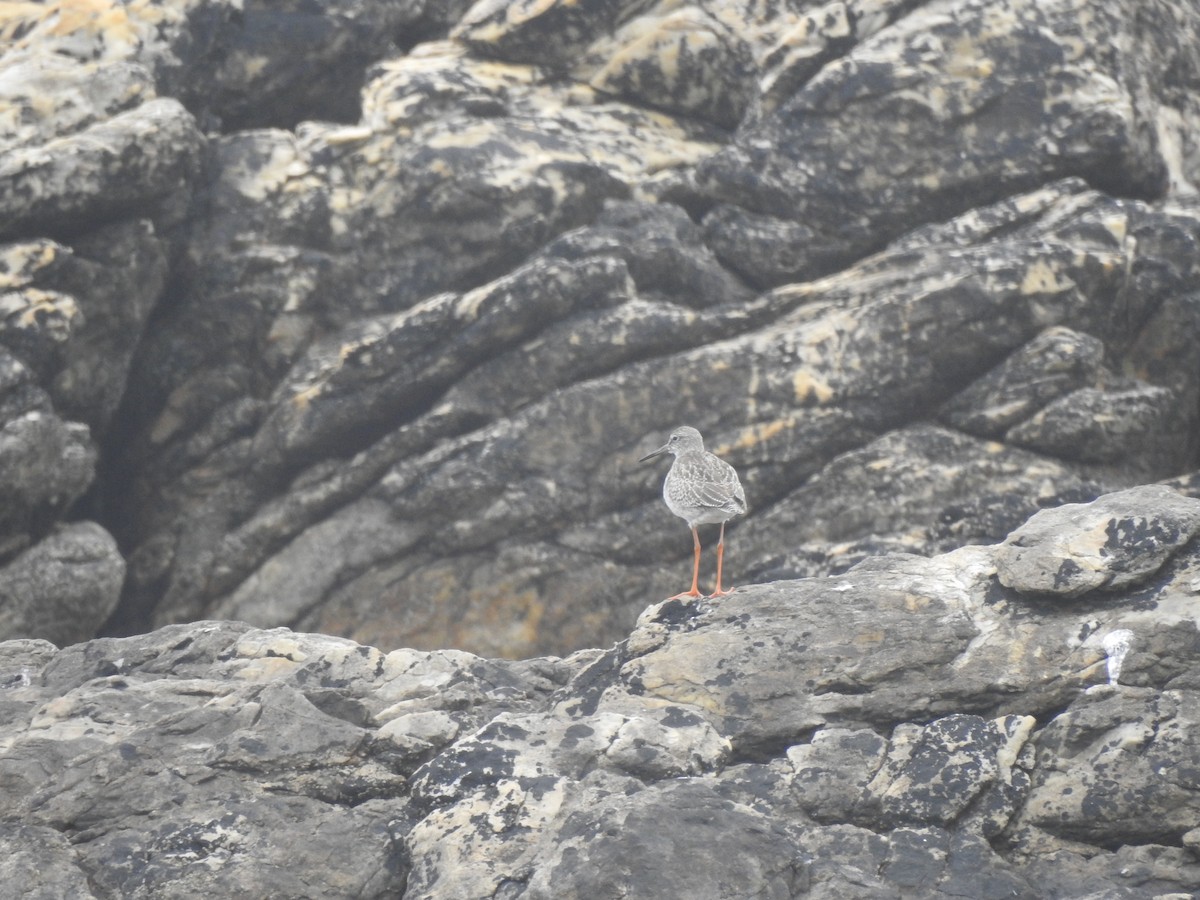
(1116,645)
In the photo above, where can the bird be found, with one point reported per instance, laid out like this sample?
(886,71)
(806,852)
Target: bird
(702,489)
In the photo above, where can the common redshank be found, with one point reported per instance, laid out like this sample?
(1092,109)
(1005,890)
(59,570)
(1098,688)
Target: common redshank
(702,489)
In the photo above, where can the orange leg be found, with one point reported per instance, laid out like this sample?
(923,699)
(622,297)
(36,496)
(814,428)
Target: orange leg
(695,591)
(720,560)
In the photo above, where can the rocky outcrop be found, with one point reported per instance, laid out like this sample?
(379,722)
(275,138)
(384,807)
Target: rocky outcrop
(374,353)
(916,726)
(330,336)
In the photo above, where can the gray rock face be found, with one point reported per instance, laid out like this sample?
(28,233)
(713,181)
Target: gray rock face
(374,353)
(942,79)
(912,727)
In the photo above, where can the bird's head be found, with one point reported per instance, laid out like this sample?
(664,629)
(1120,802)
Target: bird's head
(681,440)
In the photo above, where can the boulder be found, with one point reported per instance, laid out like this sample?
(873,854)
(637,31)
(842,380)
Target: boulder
(1117,541)
(63,588)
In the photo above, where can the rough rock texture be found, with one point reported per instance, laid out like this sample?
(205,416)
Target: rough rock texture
(349,321)
(374,353)
(910,728)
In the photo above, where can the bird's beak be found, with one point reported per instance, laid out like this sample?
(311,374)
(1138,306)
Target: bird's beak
(659,452)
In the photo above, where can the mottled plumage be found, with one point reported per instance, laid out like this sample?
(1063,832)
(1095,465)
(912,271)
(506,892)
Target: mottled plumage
(702,489)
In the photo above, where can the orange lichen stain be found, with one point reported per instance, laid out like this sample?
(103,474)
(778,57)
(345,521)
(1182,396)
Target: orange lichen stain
(108,20)
(915,602)
(689,694)
(756,434)
(17,18)
(302,399)
(1017,650)
(16,270)
(1042,278)
(84,15)
(254,66)
(267,668)
(807,386)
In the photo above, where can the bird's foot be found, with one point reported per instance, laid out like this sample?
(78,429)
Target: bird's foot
(693,594)
(721,593)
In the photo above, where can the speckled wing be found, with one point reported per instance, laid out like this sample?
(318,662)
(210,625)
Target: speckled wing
(706,483)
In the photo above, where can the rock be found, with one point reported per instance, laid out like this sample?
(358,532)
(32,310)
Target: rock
(529,31)
(34,497)
(1112,769)
(79,312)
(342,345)
(967,74)
(1119,540)
(912,726)
(683,59)
(975,773)
(917,477)
(41,863)
(375,354)
(63,588)
(216,683)
(112,169)
(1050,366)
(94,171)
(455,502)
(616,846)
(236,64)
(1100,426)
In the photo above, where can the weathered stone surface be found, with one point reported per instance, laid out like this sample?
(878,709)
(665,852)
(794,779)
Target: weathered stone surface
(479,510)
(97,707)
(47,95)
(74,314)
(112,169)
(34,493)
(63,588)
(374,353)
(910,728)
(346,344)
(617,847)
(236,65)
(954,767)
(918,480)
(994,111)
(1101,426)
(683,59)
(1119,767)
(533,31)
(1050,366)
(1121,539)
(40,863)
